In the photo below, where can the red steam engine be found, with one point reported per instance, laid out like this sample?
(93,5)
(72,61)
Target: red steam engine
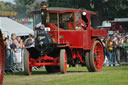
(64,36)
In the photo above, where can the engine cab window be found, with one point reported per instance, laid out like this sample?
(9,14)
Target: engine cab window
(37,20)
(80,23)
(52,18)
(66,21)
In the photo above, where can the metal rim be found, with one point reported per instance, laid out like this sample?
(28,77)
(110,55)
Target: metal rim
(97,56)
(87,62)
(27,63)
(63,61)
(2,56)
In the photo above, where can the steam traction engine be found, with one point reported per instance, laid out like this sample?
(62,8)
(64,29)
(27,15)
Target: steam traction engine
(64,36)
(2,57)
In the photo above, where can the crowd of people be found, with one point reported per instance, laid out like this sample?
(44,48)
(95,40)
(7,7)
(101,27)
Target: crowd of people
(13,50)
(14,43)
(115,47)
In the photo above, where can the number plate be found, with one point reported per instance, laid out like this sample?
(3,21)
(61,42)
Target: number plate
(40,31)
(43,31)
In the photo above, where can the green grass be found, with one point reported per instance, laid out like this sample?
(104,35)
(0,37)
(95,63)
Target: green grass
(74,76)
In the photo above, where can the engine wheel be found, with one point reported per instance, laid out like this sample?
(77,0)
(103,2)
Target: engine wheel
(52,69)
(87,61)
(63,61)
(2,62)
(97,56)
(27,64)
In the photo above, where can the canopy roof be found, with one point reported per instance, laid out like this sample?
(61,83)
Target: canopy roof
(9,26)
(120,20)
(62,10)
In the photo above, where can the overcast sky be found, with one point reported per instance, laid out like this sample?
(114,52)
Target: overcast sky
(12,1)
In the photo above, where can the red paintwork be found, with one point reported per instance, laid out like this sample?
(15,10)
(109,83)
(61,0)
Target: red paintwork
(77,38)
(39,61)
(77,53)
(2,58)
(70,25)
(98,49)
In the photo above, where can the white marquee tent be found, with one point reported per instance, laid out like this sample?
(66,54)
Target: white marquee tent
(9,26)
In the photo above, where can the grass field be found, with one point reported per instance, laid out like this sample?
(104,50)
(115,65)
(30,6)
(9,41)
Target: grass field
(74,76)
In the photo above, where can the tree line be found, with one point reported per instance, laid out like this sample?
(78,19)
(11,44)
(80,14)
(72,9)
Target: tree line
(105,9)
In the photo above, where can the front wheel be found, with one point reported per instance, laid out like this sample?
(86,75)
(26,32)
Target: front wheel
(96,56)
(27,63)
(63,61)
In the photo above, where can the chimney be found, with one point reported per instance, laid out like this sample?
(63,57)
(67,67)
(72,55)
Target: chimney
(43,8)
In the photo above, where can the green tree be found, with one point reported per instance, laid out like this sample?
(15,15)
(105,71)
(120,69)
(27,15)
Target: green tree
(23,7)
(105,9)
(6,6)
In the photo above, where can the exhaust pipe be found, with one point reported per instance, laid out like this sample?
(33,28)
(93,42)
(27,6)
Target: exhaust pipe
(43,8)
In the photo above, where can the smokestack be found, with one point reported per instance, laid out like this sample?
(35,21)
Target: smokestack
(43,8)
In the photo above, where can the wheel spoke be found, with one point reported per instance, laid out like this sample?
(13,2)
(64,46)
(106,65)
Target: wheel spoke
(98,56)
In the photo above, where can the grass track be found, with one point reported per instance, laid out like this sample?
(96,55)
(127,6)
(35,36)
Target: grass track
(75,76)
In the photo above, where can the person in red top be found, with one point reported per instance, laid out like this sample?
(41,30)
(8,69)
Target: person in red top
(81,24)
(121,29)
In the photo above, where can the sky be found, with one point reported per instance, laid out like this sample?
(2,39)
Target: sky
(12,1)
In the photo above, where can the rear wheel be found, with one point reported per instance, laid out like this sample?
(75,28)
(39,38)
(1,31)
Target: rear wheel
(87,61)
(27,63)
(63,61)
(2,56)
(97,56)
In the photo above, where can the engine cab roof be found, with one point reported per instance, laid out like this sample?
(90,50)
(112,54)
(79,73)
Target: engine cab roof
(62,10)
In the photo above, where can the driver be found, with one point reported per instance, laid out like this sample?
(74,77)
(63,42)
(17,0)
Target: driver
(80,24)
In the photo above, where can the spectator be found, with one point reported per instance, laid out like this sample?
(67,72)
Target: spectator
(14,45)
(31,37)
(7,54)
(125,46)
(19,42)
(116,39)
(7,44)
(111,51)
(29,42)
(13,37)
(80,24)
(114,36)
(104,42)
(121,29)
(3,37)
